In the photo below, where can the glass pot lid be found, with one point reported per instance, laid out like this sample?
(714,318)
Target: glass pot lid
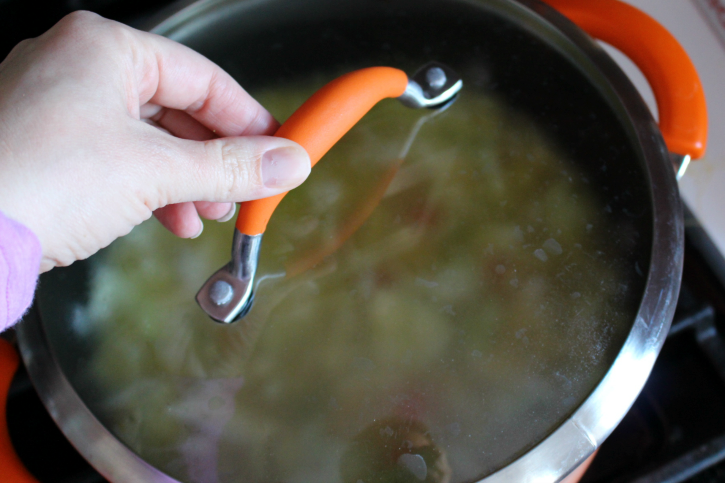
(436,333)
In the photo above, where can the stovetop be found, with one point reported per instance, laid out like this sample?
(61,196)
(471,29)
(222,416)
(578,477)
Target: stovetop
(675,432)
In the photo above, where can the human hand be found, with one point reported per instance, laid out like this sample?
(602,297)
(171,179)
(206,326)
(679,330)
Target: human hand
(81,163)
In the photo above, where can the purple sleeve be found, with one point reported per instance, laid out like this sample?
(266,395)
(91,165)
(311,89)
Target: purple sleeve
(19,266)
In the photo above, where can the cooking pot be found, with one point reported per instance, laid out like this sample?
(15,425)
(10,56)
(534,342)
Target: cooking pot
(490,315)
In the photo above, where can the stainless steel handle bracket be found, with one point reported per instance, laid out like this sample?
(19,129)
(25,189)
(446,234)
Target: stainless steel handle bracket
(228,294)
(680,163)
(432,86)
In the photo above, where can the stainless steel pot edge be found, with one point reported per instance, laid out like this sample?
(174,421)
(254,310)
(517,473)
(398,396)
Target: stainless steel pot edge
(561,452)
(115,461)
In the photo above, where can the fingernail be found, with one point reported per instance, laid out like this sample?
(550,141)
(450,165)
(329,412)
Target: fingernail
(285,167)
(201,229)
(229,214)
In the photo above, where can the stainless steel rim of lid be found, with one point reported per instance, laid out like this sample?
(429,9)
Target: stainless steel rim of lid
(557,455)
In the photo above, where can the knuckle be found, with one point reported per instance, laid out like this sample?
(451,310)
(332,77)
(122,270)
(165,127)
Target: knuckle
(78,22)
(92,30)
(119,33)
(24,44)
(21,48)
(240,174)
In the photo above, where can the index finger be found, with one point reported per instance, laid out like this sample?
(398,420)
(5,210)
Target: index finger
(172,75)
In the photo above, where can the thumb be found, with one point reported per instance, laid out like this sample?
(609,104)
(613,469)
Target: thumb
(235,169)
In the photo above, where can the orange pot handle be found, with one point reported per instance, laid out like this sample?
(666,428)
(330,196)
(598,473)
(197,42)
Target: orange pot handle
(321,121)
(665,64)
(11,468)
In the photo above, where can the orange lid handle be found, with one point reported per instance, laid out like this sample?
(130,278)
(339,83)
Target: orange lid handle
(321,121)
(668,68)
(11,468)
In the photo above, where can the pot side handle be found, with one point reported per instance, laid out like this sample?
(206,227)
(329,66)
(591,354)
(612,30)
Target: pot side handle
(321,121)
(11,468)
(665,64)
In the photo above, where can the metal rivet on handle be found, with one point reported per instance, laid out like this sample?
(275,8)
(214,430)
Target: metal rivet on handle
(221,292)
(436,77)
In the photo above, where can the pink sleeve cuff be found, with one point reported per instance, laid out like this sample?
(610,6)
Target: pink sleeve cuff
(19,266)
